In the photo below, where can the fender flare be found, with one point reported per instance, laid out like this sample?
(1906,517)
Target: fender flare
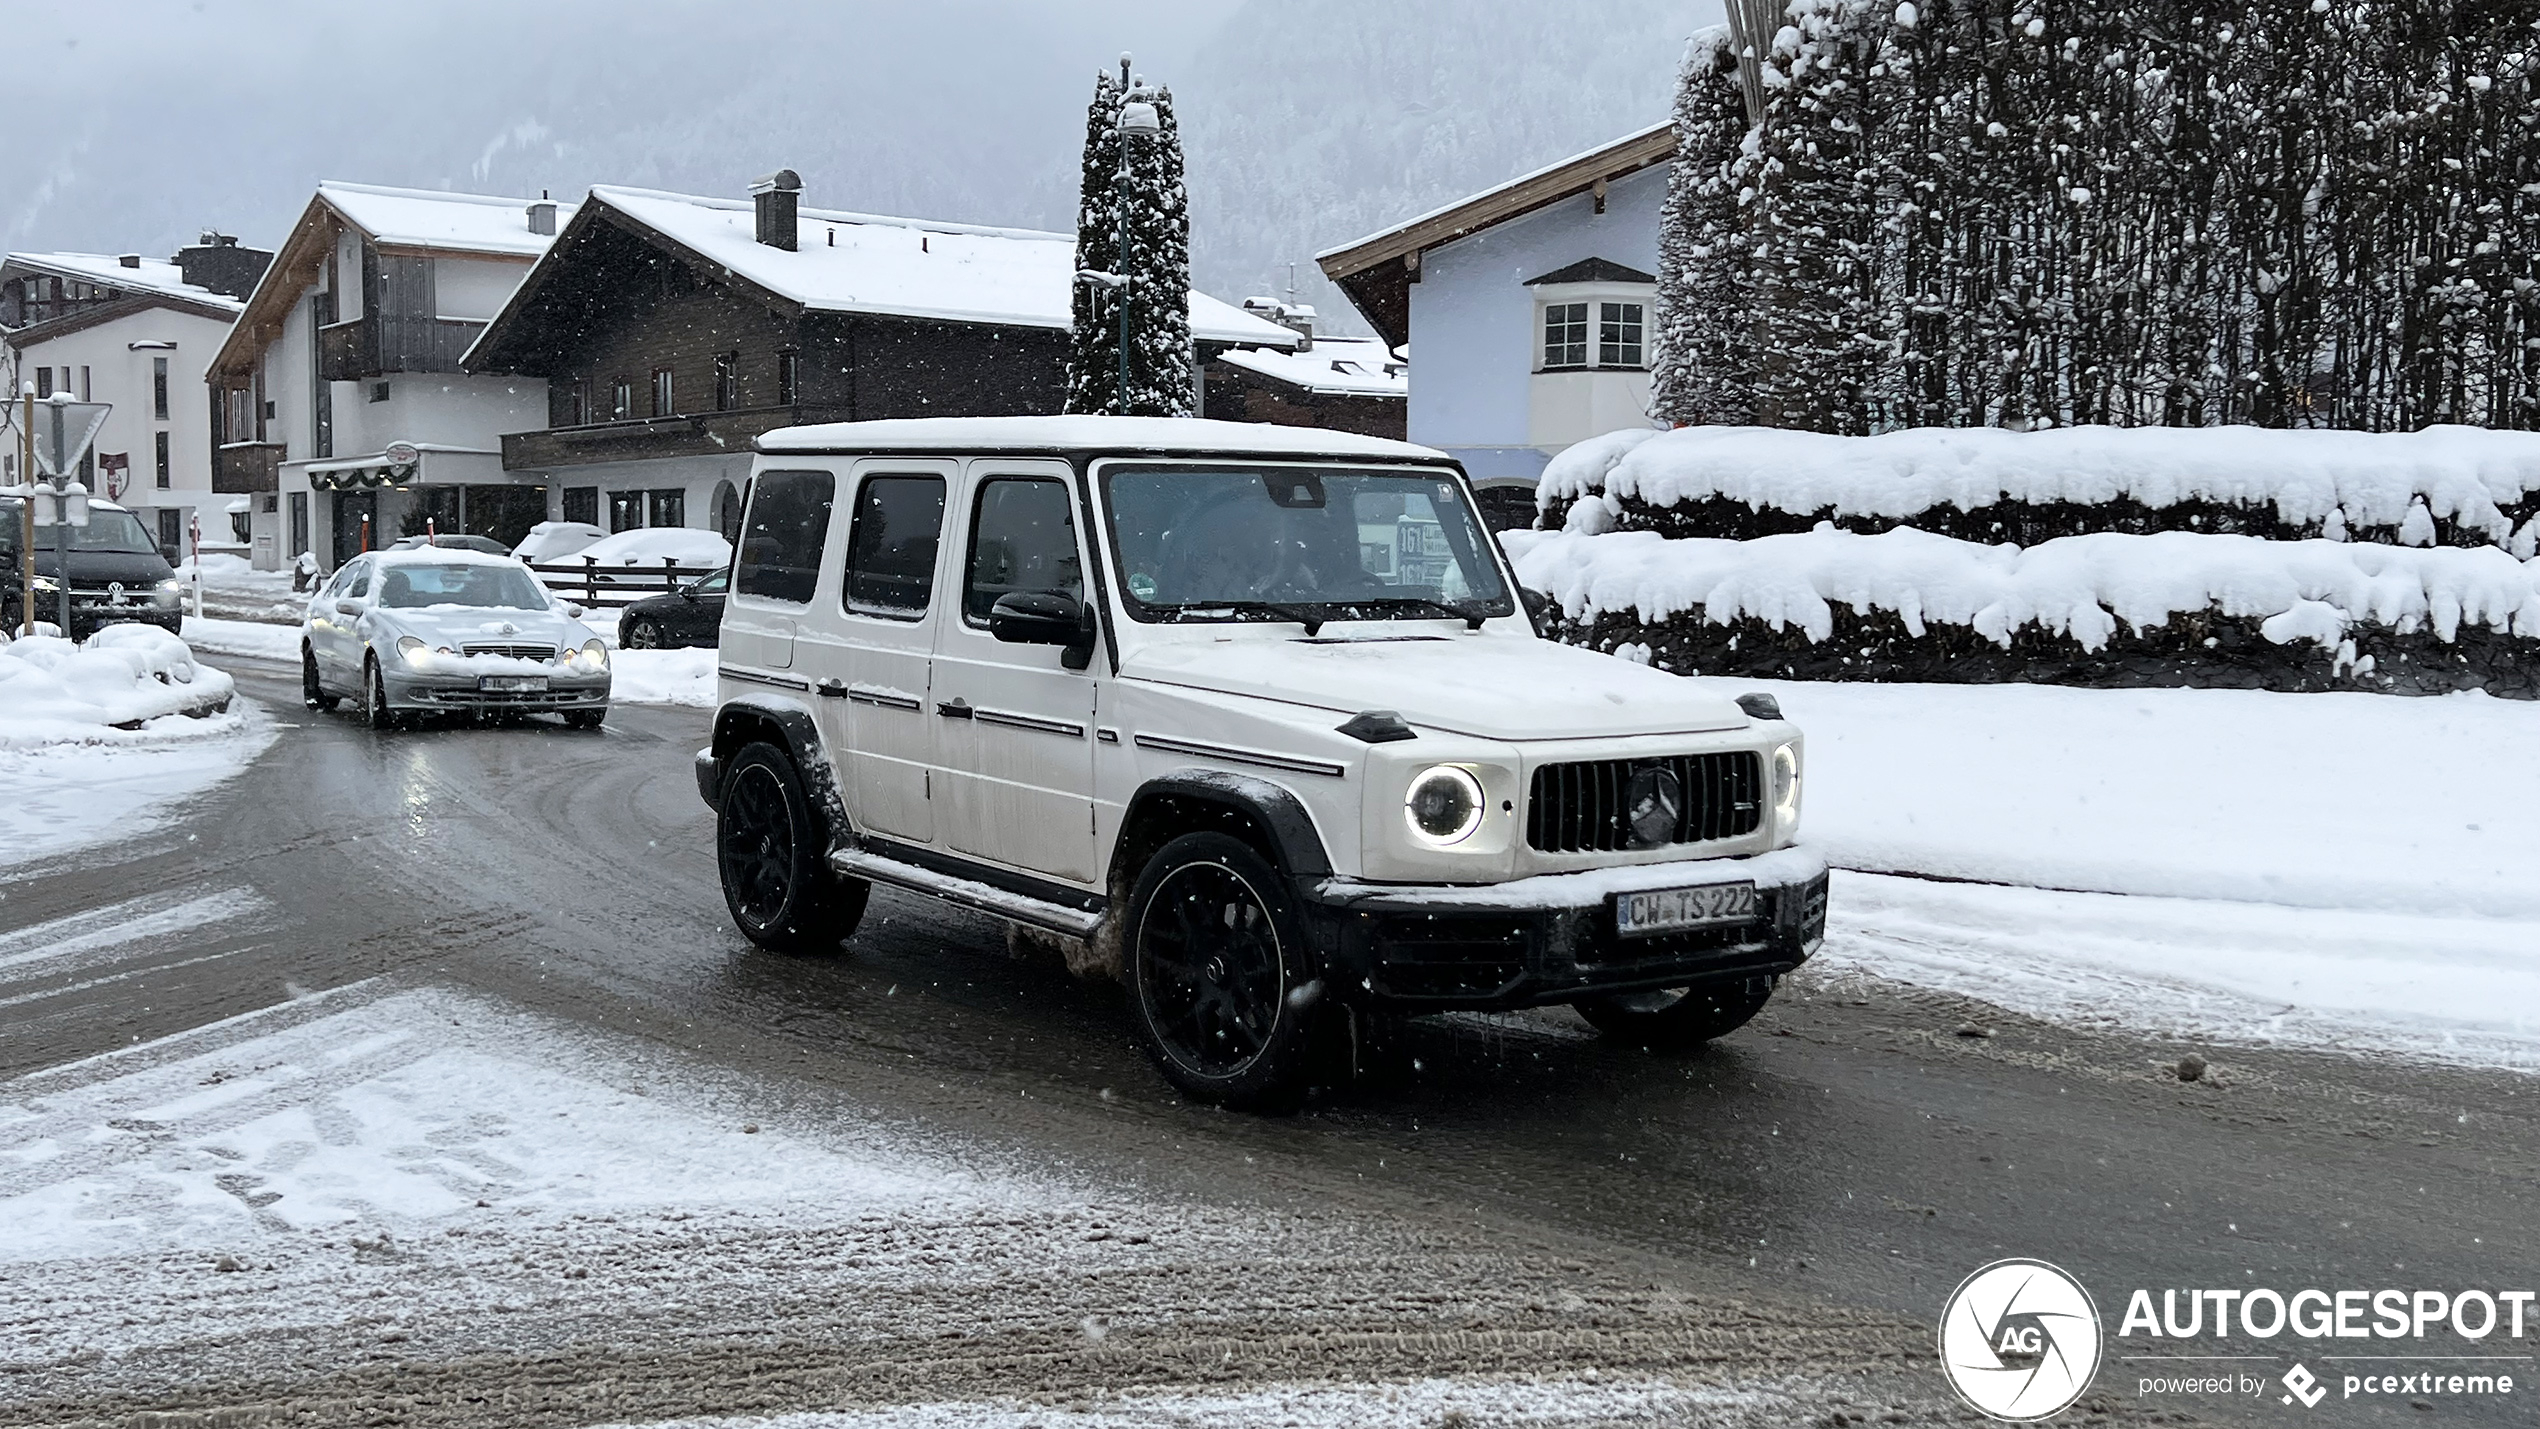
(740,719)
(1296,845)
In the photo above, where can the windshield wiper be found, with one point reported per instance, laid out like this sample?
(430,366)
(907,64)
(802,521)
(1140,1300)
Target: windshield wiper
(1471,617)
(1311,617)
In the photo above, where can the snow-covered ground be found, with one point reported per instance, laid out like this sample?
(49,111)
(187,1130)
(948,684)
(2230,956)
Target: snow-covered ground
(234,588)
(2342,869)
(111,738)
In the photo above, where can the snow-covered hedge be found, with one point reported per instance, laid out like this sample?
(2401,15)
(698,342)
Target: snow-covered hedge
(123,676)
(2441,486)
(2109,609)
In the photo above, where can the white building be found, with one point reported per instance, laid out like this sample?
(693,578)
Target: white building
(339,390)
(137,333)
(1528,306)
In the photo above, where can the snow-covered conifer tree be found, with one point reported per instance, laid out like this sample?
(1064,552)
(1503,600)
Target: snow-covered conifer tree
(1151,272)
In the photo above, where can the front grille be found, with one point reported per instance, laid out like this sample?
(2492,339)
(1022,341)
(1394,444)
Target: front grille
(544,654)
(1586,808)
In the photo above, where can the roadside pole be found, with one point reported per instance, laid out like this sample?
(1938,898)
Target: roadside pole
(194,541)
(26,514)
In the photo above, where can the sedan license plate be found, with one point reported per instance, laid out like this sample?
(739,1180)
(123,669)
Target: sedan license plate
(512,684)
(1671,910)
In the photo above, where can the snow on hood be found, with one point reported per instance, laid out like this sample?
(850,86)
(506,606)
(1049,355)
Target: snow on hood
(1491,686)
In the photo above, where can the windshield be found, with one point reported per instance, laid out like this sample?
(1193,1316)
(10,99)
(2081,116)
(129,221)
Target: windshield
(409,585)
(1242,543)
(116,532)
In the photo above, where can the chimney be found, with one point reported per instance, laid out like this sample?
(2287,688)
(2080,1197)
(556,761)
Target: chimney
(777,195)
(217,262)
(1295,317)
(130,260)
(542,218)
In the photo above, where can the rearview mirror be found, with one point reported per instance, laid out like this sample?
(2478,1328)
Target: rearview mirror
(1041,618)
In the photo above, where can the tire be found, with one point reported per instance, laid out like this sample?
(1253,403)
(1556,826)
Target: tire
(772,853)
(640,634)
(312,690)
(1678,1017)
(585,719)
(1215,955)
(375,710)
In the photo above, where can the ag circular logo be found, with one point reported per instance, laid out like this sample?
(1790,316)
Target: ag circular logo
(2019,1340)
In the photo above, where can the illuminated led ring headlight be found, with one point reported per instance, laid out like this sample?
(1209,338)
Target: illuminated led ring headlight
(1786,787)
(1444,805)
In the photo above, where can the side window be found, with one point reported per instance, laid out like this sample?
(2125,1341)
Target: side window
(361,580)
(899,527)
(1022,538)
(781,541)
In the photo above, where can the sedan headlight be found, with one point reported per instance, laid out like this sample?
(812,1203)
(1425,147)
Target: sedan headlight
(1443,806)
(414,651)
(1786,789)
(595,655)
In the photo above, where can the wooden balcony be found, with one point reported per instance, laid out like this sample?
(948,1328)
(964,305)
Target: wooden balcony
(641,438)
(381,343)
(241,468)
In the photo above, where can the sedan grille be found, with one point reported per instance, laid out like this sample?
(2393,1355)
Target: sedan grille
(1587,808)
(545,654)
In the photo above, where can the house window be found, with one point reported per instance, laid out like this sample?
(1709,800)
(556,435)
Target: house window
(379,391)
(789,378)
(669,508)
(582,503)
(160,440)
(1565,335)
(159,388)
(626,511)
(621,400)
(727,381)
(1618,328)
(44,382)
(579,412)
(665,400)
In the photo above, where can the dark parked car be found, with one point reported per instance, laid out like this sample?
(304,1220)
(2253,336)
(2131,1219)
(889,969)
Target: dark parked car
(689,615)
(116,572)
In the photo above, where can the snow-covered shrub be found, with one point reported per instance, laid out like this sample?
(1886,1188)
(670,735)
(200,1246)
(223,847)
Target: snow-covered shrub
(2443,485)
(122,676)
(2105,609)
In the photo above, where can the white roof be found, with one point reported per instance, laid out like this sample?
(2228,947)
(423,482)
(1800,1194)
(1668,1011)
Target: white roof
(1088,433)
(906,267)
(1525,178)
(1342,366)
(155,275)
(425,218)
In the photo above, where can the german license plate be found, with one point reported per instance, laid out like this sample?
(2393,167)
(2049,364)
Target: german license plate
(1670,910)
(512,684)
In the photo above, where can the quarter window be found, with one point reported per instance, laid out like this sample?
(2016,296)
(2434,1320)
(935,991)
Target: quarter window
(1022,538)
(1565,335)
(783,535)
(899,526)
(1618,327)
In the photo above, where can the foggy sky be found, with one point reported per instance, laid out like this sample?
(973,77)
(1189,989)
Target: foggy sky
(1306,122)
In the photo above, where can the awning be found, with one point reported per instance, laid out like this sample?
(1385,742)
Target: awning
(358,473)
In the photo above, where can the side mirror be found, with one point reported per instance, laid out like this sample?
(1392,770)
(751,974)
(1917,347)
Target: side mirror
(1538,606)
(1038,618)
(571,610)
(356,606)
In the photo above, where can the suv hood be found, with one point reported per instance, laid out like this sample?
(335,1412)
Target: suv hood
(1490,685)
(138,570)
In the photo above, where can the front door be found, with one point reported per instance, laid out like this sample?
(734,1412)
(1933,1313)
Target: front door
(880,645)
(1014,727)
(355,513)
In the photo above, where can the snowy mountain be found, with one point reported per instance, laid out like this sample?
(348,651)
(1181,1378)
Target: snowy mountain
(1306,123)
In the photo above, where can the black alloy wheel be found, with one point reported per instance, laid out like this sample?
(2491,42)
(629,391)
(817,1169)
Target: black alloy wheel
(642,633)
(312,692)
(1678,1017)
(1218,964)
(375,711)
(773,852)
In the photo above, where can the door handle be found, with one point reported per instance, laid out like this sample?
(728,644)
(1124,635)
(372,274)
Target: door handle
(955,708)
(834,688)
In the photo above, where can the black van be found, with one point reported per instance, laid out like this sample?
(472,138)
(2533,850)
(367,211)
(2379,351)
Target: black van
(116,572)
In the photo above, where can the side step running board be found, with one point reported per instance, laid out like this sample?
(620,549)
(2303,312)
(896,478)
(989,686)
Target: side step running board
(996,902)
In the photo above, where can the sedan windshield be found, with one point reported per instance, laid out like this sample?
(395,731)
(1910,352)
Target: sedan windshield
(1299,543)
(411,585)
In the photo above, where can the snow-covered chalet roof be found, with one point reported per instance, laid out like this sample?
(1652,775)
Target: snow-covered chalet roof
(442,222)
(107,270)
(904,267)
(1339,366)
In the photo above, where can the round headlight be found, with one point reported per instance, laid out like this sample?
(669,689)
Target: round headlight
(595,655)
(1786,787)
(411,648)
(1444,805)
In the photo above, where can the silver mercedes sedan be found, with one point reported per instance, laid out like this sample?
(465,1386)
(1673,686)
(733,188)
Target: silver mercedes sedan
(402,632)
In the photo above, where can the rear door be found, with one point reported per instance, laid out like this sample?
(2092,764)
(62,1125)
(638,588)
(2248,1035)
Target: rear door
(876,656)
(1014,727)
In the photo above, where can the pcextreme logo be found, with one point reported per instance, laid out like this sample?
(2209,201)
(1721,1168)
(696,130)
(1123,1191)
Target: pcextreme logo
(2019,1340)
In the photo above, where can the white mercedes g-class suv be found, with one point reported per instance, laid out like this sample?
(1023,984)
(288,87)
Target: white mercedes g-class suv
(1253,717)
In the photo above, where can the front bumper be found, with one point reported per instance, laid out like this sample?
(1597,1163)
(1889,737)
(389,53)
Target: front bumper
(407,690)
(1553,938)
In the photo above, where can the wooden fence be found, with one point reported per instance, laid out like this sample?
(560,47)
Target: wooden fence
(600,587)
